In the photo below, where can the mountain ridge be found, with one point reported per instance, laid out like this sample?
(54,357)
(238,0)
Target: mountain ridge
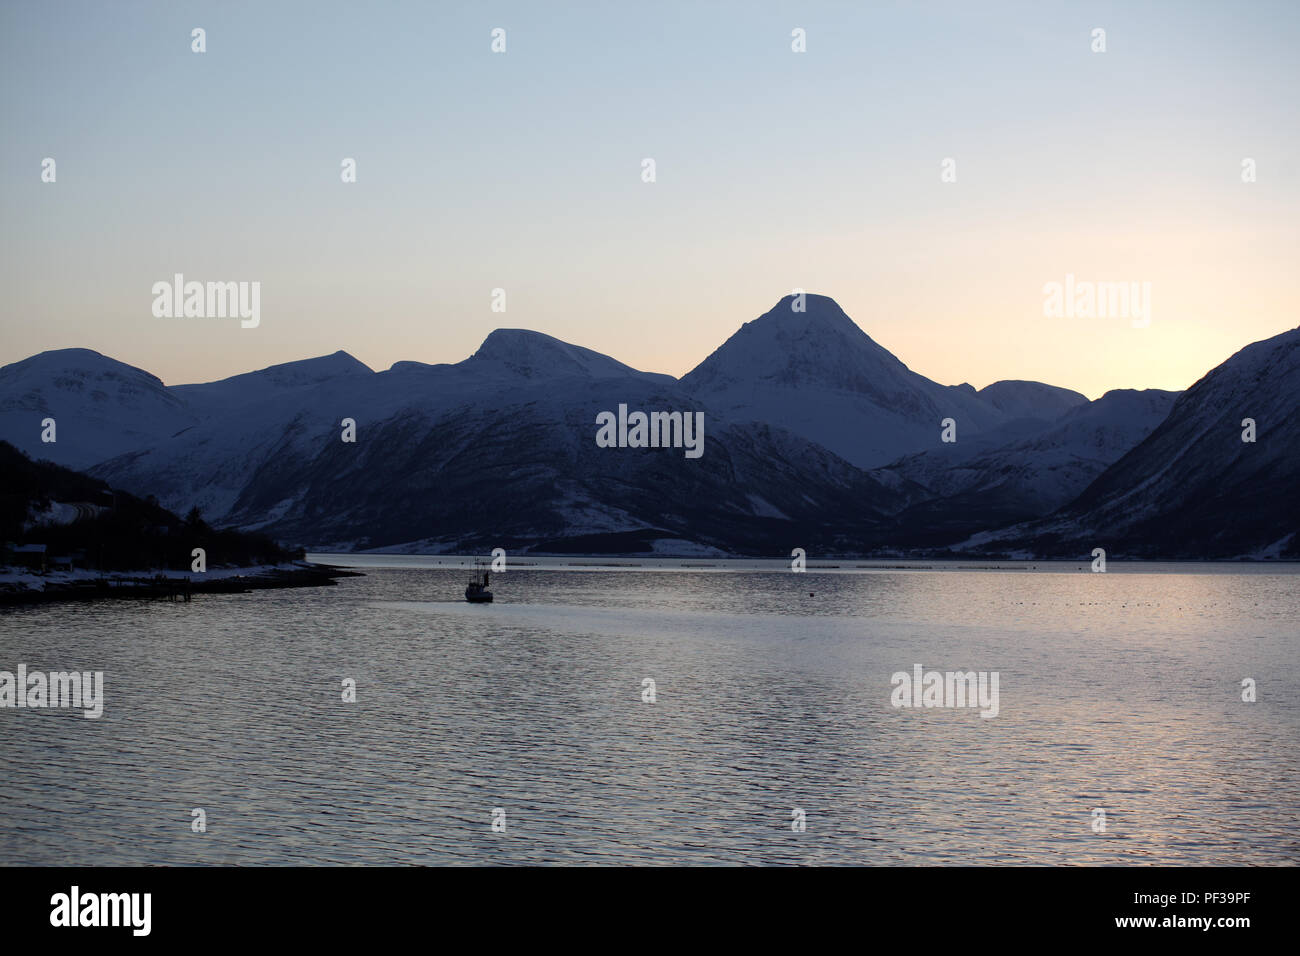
(501,444)
(1193,486)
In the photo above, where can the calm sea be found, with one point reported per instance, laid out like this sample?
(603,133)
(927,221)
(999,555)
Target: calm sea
(1120,692)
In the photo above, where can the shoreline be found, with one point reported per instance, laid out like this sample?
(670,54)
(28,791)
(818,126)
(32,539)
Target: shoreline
(153,584)
(376,561)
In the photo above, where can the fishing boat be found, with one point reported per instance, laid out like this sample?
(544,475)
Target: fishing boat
(476,592)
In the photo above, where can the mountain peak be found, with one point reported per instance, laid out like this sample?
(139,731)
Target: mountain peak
(337,363)
(788,346)
(310,371)
(1021,399)
(256,386)
(532,354)
(793,318)
(814,372)
(812,307)
(80,362)
(78,354)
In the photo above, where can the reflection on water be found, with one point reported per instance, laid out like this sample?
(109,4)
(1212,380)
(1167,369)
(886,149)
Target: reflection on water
(1120,691)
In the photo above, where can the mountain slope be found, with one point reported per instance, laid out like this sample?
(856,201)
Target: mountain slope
(531,355)
(527,473)
(100,406)
(499,450)
(818,375)
(963,488)
(1193,488)
(1020,399)
(500,447)
(108,528)
(261,385)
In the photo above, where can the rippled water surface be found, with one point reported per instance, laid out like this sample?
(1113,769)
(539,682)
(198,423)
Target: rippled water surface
(1119,691)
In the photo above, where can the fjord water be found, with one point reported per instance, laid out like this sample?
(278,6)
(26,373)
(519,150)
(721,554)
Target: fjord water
(1119,691)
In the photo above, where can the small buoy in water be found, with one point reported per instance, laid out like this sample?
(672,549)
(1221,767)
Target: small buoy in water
(810,594)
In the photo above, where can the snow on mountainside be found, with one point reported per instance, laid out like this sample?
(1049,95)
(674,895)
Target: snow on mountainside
(499,446)
(100,406)
(534,355)
(256,386)
(520,469)
(820,376)
(499,450)
(1019,399)
(244,420)
(199,444)
(236,422)
(1193,487)
(960,489)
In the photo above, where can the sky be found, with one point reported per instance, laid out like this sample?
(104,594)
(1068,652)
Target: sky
(775,170)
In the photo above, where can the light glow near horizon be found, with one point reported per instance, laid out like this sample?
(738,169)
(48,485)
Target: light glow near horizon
(776,170)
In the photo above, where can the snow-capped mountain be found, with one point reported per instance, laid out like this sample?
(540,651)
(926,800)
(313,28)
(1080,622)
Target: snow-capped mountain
(531,355)
(253,387)
(818,375)
(1193,487)
(1020,399)
(519,468)
(961,488)
(499,450)
(101,407)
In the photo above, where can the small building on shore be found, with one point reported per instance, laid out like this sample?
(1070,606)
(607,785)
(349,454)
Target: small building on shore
(30,556)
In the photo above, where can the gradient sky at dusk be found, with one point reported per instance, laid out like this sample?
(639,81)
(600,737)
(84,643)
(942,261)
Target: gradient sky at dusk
(776,170)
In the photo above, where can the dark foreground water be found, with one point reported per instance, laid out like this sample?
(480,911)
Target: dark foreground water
(1118,691)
